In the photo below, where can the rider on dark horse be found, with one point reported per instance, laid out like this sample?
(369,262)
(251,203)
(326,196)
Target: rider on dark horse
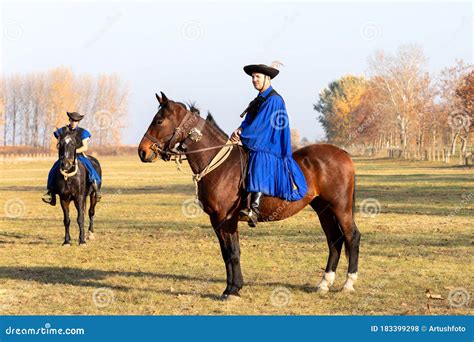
(82,140)
(265,132)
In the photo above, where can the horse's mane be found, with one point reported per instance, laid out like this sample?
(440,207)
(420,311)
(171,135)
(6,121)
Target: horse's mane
(191,105)
(209,119)
(213,123)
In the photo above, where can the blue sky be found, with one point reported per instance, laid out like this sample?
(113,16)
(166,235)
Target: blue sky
(196,51)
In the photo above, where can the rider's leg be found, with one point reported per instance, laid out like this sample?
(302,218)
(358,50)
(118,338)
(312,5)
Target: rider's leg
(93,176)
(254,208)
(50,197)
(252,212)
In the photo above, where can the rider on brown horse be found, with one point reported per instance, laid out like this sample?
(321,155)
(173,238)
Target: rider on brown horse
(265,132)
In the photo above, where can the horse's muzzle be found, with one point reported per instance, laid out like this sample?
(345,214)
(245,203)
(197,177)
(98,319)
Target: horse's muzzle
(147,157)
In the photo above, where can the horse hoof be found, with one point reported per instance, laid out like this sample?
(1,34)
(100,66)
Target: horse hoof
(348,289)
(90,236)
(82,244)
(66,244)
(230,298)
(322,290)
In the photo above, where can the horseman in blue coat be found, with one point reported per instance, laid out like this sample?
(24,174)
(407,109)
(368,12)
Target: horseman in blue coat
(82,143)
(265,132)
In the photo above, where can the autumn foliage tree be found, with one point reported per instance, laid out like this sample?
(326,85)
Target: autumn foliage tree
(35,104)
(336,105)
(400,106)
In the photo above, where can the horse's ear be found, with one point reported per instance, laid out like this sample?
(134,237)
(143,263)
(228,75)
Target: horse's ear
(163,97)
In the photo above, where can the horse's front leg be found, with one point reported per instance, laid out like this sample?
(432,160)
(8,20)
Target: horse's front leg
(67,222)
(93,199)
(79,203)
(228,236)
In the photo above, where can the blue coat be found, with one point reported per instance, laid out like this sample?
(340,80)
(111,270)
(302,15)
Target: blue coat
(272,170)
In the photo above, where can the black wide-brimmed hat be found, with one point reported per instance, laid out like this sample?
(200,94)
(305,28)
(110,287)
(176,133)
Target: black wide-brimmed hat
(75,116)
(261,69)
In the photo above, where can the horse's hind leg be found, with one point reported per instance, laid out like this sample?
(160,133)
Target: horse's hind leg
(352,241)
(67,222)
(353,259)
(90,234)
(335,239)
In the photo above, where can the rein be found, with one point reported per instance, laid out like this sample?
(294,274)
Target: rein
(67,175)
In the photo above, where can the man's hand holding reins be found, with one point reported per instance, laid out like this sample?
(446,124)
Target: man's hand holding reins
(235,136)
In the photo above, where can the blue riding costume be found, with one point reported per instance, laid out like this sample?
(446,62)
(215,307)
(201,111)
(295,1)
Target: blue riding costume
(265,132)
(271,170)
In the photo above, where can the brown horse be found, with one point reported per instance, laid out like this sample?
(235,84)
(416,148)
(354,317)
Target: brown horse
(329,173)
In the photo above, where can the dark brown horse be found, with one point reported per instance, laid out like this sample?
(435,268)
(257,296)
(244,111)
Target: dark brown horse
(329,173)
(71,185)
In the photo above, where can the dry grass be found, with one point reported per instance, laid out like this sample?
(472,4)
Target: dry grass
(152,260)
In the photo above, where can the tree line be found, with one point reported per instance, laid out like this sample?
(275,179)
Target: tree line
(33,105)
(400,109)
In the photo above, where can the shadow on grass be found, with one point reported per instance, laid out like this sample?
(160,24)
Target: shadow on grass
(97,278)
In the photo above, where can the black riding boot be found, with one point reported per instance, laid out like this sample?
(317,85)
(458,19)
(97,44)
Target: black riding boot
(251,214)
(254,209)
(98,193)
(49,197)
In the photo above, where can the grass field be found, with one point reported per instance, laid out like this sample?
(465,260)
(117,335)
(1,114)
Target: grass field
(149,258)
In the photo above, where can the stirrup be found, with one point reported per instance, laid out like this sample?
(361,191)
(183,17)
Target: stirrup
(253,219)
(244,215)
(48,198)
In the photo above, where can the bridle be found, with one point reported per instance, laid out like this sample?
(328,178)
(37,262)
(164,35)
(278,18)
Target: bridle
(67,174)
(191,135)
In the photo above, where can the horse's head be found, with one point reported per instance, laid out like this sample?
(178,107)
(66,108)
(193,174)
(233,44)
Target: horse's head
(167,128)
(67,149)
